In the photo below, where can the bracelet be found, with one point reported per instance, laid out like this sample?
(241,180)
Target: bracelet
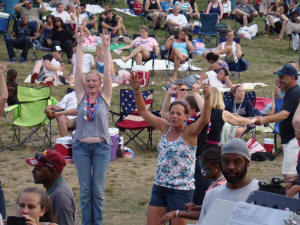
(177,211)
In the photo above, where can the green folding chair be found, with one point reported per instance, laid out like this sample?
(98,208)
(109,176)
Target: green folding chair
(28,118)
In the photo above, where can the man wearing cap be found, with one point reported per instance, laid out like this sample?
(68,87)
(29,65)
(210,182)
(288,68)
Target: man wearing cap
(48,167)
(235,161)
(49,67)
(287,78)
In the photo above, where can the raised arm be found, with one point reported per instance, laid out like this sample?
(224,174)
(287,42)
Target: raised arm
(155,121)
(167,101)
(107,82)
(195,128)
(3,88)
(79,87)
(198,98)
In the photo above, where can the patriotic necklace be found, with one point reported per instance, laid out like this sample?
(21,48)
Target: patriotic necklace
(91,108)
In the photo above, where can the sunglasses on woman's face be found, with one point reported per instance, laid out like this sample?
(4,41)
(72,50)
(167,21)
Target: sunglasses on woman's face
(183,89)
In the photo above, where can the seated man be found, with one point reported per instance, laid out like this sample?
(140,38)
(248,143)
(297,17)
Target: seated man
(90,18)
(48,167)
(25,9)
(22,37)
(112,24)
(154,11)
(176,21)
(65,111)
(235,161)
(245,12)
(61,13)
(48,69)
(230,48)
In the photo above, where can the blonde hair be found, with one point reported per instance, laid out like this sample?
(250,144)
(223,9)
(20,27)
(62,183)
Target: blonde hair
(100,48)
(144,27)
(100,75)
(217,99)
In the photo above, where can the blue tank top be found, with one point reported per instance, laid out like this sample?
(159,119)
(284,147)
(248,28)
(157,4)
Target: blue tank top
(100,67)
(182,47)
(47,32)
(215,10)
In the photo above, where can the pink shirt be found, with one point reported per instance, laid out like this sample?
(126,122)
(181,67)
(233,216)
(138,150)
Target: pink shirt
(148,43)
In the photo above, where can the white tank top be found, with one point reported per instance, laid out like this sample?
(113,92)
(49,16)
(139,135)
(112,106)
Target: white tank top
(235,58)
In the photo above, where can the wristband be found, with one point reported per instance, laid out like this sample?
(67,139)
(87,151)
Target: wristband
(177,211)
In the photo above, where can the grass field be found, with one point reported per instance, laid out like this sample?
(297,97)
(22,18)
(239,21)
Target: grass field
(129,181)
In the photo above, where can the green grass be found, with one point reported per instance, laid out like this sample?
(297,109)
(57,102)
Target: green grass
(129,182)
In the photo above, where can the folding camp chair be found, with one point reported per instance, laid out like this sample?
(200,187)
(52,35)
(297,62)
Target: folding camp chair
(129,121)
(29,115)
(209,30)
(272,200)
(240,66)
(250,96)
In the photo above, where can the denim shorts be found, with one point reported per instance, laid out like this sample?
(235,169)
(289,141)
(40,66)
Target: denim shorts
(169,198)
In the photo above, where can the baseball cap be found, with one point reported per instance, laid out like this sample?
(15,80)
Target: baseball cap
(287,69)
(236,146)
(50,158)
(56,48)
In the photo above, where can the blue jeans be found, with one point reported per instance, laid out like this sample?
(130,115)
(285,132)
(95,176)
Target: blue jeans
(91,162)
(20,43)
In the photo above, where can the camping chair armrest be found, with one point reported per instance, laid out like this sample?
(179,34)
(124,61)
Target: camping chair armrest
(11,108)
(114,113)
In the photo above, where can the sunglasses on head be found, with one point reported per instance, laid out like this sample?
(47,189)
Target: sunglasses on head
(41,156)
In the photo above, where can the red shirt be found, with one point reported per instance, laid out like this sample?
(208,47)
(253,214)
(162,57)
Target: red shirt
(137,7)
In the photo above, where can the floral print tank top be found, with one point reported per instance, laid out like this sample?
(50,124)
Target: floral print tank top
(176,164)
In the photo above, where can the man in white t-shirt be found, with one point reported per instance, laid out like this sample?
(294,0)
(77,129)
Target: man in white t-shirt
(88,62)
(234,163)
(218,79)
(61,13)
(65,112)
(176,21)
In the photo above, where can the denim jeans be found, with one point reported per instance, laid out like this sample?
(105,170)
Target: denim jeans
(91,162)
(20,43)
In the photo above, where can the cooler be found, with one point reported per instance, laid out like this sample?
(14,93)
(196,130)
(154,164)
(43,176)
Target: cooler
(269,144)
(115,139)
(64,146)
(4,21)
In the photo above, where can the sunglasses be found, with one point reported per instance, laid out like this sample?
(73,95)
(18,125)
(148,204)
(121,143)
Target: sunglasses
(41,156)
(183,89)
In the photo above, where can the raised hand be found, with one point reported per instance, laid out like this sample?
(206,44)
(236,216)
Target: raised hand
(135,82)
(105,38)
(173,89)
(79,36)
(197,86)
(206,91)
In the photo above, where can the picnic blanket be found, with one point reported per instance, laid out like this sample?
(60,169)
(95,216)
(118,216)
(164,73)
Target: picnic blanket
(90,8)
(262,102)
(159,64)
(125,11)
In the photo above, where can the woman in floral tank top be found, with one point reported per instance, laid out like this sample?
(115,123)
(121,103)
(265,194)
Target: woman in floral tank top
(174,175)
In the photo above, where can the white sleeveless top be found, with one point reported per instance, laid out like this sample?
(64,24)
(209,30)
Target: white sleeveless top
(235,58)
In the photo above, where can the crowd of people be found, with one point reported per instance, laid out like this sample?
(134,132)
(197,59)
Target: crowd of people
(194,168)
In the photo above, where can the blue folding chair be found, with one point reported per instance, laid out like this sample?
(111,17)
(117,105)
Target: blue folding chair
(209,30)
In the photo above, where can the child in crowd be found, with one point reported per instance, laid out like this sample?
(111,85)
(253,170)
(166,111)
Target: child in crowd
(138,7)
(167,6)
(12,87)
(99,60)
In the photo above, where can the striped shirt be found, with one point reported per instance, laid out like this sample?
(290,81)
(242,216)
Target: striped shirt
(183,7)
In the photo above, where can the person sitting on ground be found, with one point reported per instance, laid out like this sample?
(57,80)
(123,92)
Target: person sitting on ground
(235,161)
(138,7)
(182,47)
(62,35)
(195,13)
(245,12)
(144,47)
(24,33)
(61,13)
(70,9)
(111,24)
(218,79)
(25,9)
(215,62)
(185,8)
(174,173)
(12,87)
(210,164)
(3,88)
(177,21)
(66,117)
(154,11)
(292,14)
(49,68)
(215,6)
(33,204)
(230,48)
(287,77)
(99,59)
(48,166)
(46,31)
(273,20)
(226,9)
(90,18)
